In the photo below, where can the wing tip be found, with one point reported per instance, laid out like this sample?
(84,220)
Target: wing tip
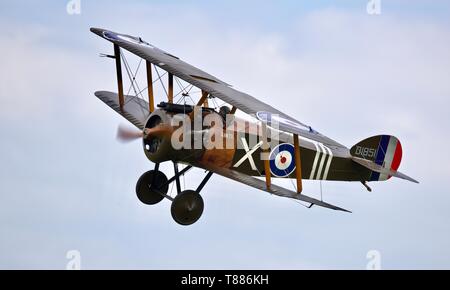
(332,207)
(319,203)
(342,209)
(99,93)
(96,30)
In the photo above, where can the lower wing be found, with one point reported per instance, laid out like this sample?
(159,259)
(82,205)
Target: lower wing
(274,189)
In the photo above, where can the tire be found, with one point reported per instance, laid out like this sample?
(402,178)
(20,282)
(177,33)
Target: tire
(149,193)
(187,207)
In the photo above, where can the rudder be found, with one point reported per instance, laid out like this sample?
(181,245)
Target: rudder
(384,150)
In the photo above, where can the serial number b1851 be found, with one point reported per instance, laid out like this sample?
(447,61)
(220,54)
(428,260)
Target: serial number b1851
(365,152)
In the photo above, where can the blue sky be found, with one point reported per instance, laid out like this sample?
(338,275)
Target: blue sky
(67,184)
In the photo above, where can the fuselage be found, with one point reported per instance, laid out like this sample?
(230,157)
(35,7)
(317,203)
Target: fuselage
(240,145)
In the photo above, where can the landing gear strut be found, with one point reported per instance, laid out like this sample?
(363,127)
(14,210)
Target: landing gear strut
(187,207)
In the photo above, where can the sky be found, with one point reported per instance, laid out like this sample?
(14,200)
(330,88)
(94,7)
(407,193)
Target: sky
(66,184)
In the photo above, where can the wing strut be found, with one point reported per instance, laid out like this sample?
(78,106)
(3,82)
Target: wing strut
(119,75)
(266,156)
(298,164)
(170,93)
(151,98)
(203,100)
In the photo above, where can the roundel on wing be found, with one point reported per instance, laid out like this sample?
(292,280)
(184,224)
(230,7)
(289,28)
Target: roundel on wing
(282,162)
(120,37)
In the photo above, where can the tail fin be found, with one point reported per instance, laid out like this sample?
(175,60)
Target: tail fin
(383,150)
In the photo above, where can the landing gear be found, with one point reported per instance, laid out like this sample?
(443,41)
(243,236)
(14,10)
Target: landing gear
(187,207)
(151,187)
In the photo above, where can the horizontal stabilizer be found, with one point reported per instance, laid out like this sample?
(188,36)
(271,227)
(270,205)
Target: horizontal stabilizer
(274,189)
(135,110)
(382,170)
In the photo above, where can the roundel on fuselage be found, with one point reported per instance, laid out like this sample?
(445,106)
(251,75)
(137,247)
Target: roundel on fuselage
(282,161)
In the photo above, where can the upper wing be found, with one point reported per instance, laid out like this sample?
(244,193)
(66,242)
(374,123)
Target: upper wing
(274,189)
(211,84)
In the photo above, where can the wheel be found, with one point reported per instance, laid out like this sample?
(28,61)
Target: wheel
(187,207)
(149,193)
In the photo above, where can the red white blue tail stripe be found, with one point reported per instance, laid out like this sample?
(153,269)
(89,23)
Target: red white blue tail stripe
(389,155)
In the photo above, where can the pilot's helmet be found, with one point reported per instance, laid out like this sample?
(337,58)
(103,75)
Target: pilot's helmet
(224,111)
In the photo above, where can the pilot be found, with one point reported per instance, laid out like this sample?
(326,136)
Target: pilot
(225,111)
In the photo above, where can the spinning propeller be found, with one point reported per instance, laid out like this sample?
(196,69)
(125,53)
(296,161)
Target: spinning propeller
(126,134)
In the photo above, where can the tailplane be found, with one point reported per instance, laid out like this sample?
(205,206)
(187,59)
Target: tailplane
(382,155)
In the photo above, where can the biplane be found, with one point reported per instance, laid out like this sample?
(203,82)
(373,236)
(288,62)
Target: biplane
(266,146)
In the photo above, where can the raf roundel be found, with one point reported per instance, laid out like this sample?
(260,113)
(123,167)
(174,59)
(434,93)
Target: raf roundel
(282,161)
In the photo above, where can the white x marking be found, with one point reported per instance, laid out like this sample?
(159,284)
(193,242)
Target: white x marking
(248,154)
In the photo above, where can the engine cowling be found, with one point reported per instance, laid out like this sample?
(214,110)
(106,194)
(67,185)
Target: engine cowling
(157,137)
(169,123)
